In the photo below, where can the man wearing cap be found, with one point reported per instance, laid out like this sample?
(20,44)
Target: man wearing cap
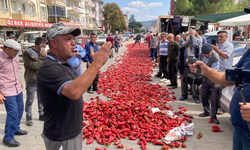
(76,60)
(61,90)
(33,58)
(92,43)
(11,92)
(210,92)
(225,49)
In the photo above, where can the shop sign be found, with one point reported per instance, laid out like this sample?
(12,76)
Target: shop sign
(103,27)
(22,23)
(96,27)
(77,9)
(77,24)
(53,19)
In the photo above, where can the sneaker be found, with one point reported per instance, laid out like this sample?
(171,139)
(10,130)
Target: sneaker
(163,80)
(204,114)
(29,121)
(41,118)
(196,100)
(182,98)
(167,81)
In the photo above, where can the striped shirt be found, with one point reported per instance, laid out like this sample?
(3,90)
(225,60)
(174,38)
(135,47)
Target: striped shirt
(163,48)
(9,77)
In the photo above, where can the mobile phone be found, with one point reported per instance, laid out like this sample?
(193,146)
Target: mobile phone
(244,74)
(41,47)
(214,42)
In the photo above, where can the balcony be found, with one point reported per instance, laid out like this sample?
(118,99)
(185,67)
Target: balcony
(90,15)
(43,1)
(101,9)
(75,10)
(89,4)
(101,18)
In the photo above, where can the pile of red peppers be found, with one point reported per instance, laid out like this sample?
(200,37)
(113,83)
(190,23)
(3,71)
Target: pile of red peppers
(127,113)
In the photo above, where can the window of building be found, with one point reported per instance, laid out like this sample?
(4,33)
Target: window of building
(77,18)
(67,3)
(56,11)
(4,6)
(43,13)
(32,10)
(23,8)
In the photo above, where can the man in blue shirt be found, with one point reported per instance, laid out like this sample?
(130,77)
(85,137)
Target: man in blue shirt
(77,59)
(92,43)
(117,40)
(239,113)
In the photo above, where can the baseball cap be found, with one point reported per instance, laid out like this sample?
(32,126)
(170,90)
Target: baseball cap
(12,35)
(12,44)
(206,48)
(222,31)
(61,29)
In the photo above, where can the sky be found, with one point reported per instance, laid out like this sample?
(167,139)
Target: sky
(143,10)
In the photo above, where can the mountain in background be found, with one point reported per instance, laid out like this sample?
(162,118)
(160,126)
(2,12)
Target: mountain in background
(147,23)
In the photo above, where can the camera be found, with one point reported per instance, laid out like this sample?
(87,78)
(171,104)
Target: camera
(240,74)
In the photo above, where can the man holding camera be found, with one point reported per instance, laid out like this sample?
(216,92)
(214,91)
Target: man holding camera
(33,58)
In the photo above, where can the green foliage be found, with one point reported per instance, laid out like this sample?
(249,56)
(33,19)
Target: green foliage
(137,30)
(132,22)
(138,24)
(114,19)
(201,7)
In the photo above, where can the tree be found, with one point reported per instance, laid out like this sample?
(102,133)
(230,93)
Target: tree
(132,22)
(139,24)
(137,30)
(201,7)
(113,18)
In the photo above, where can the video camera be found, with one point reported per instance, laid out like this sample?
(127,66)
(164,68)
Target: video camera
(191,58)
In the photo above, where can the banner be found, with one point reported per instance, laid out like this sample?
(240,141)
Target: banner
(32,24)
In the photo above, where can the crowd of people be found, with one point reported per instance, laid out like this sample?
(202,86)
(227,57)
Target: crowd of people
(57,78)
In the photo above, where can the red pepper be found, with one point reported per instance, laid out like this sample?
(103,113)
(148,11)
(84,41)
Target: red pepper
(171,145)
(117,142)
(97,149)
(177,144)
(103,148)
(90,140)
(132,138)
(183,145)
(159,143)
(183,139)
(215,128)
(165,147)
(199,135)
(120,146)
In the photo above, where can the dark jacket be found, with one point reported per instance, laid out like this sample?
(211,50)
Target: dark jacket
(31,64)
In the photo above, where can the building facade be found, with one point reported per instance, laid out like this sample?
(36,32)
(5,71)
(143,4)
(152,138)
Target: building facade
(17,16)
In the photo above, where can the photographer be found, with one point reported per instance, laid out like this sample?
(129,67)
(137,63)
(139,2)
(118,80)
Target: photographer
(239,113)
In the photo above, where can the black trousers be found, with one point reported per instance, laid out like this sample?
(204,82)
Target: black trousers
(95,82)
(210,93)
(172,71)
(164,65)
(136,41)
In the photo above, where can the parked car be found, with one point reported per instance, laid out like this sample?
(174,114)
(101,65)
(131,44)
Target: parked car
(227,92)
(82,40)
(31,37)
(123,38)
(213,36)
(127,37)
(101,40)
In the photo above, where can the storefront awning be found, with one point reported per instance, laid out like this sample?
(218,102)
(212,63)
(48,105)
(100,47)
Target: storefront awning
(236,21)
(213,18)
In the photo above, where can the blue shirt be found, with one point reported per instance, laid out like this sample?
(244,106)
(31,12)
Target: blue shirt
(74,61)
(227,48)
(117,40)
(236,117)
(204,40)
(87,48)
(182,40)
(214,65)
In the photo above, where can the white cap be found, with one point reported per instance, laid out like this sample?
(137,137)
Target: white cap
(12,44)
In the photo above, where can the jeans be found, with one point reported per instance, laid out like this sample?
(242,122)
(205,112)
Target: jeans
(116,48)
(31,88)
(241,140)
(14,109)
(152,50)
